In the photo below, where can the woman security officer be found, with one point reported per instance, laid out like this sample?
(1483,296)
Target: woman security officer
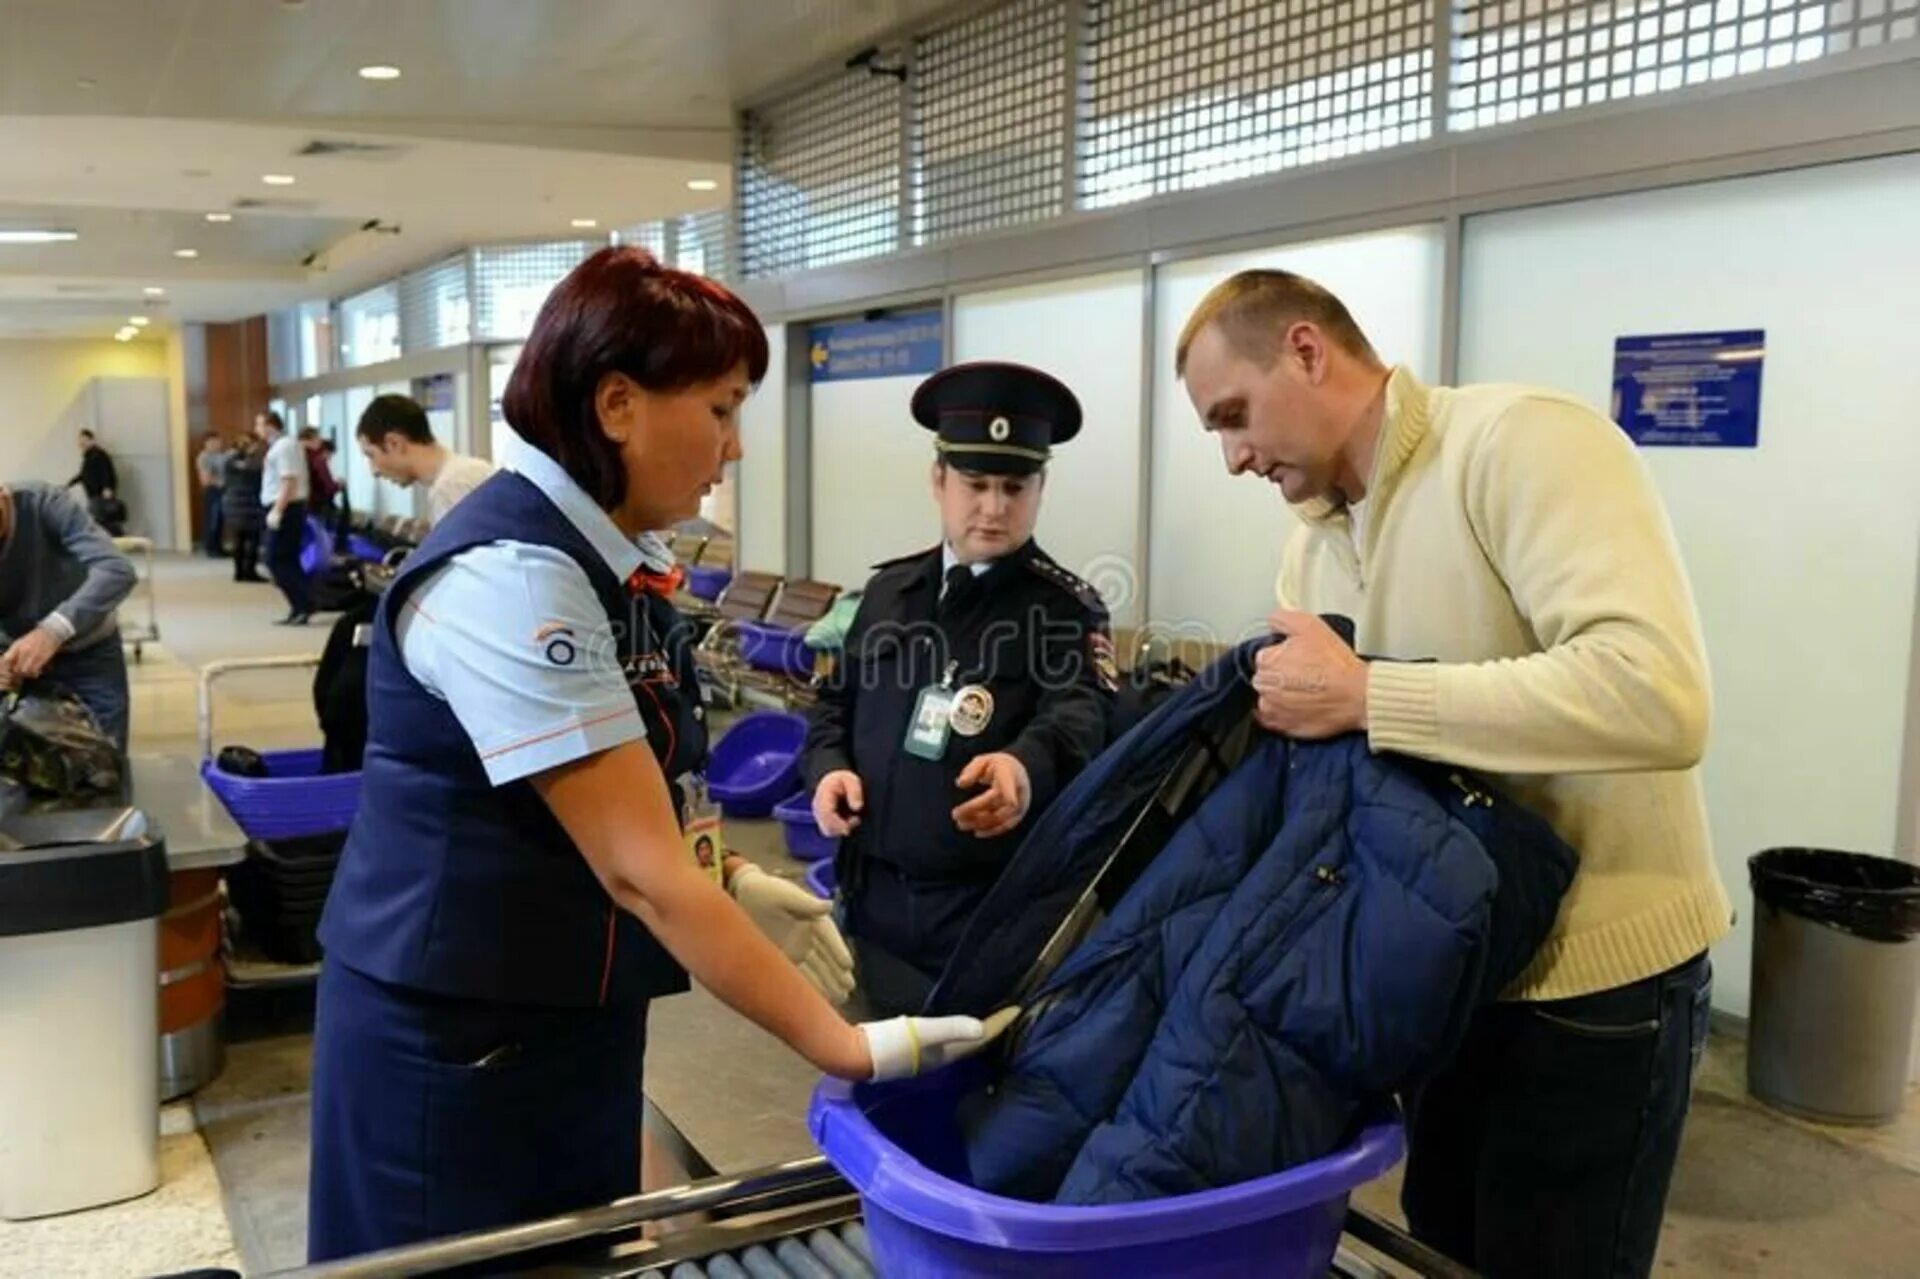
(974,683)
(515,889)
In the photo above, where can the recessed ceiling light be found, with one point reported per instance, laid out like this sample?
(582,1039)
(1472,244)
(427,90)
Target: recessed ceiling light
(219,217)
(154,291)
(379,71)
(186,253)
(583,224)
(125,335)
(703,184)
(139,321)
(277,179)
(36,235)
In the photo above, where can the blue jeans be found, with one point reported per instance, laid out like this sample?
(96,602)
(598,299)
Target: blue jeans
(97,675)
(283,559)
(213,519)
(1547,1146)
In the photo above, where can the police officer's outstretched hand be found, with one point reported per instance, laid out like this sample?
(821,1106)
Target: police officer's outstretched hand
(800,924)
(1008,796)
(903,1047)
(838,802)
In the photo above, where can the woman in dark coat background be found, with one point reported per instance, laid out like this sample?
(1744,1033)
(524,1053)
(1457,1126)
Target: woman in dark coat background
(245,518)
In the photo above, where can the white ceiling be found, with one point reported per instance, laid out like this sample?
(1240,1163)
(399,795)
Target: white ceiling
(128,120)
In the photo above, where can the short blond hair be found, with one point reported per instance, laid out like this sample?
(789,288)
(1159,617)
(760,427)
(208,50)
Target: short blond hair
(1252,310)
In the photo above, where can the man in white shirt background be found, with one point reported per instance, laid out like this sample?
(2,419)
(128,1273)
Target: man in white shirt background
(398,443)
(284,489)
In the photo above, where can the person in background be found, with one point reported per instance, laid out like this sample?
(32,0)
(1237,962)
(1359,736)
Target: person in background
(245,518)
(60,581)
(211,465)
(398,442)
(974,685)
(322,487)
(96,474)
(342,507)
(284,488)
(1504,553)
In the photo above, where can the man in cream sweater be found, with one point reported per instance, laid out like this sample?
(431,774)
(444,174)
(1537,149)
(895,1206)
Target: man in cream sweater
(1515,584)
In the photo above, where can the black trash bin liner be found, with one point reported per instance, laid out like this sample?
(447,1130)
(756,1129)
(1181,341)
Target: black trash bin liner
(1876,898)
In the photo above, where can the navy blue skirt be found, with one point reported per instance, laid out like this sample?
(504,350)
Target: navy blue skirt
(433,1116)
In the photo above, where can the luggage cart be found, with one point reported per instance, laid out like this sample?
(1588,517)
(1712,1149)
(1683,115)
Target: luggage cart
(790,1221)
(293,801)
(139,550)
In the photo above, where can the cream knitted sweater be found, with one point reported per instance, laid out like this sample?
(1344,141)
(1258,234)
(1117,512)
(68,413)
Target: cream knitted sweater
(1515,541)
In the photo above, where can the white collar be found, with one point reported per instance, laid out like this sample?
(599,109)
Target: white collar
(948,559)
(615,548)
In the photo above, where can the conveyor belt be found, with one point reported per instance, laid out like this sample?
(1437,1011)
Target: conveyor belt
(823,1254)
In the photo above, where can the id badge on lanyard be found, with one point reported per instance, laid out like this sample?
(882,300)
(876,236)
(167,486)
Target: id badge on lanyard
(932,722)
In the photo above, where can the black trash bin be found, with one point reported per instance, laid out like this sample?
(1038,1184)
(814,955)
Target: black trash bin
(1836,981)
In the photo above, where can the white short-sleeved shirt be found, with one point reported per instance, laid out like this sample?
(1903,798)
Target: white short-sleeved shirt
(287,457)
(459,475)
(512,637)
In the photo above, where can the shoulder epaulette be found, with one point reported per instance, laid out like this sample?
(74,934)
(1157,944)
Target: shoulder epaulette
(1071,583)
(908,558)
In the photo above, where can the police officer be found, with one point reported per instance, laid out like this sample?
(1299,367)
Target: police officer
(515,888)
(974,683)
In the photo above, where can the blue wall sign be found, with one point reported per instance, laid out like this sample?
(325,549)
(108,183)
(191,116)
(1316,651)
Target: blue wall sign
(896,346)
(1700,390)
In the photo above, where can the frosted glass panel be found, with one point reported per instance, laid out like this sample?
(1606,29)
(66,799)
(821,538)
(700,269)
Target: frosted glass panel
(1087,333)
(762,479)
(1802,551)
(872,493)
(1215,543)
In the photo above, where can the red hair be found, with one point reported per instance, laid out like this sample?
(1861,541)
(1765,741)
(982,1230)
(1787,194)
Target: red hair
(620,311)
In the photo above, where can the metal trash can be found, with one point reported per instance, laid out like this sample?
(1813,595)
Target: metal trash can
(1836,981)
(81,893)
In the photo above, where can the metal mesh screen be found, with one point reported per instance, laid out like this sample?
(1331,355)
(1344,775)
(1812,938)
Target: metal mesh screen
(819,175)
(989,98)
(511,281)
(700,244)
(1178,95)
(434,310)
(283,346)
(651,236)
(370,326)
(1518,58)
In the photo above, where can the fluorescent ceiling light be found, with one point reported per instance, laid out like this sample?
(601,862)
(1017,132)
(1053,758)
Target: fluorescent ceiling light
(219,217)
(139,321)
(36,235)
(125,335)
(277,179)
(154,291)
(379,71)
(584,224)
(703,184)
(186,253)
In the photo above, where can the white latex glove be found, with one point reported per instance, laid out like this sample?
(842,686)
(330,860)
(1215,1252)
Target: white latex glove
(801,925)
(273,519)
(903,1047)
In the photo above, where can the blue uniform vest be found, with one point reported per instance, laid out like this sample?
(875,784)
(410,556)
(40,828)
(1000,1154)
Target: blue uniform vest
(451,885)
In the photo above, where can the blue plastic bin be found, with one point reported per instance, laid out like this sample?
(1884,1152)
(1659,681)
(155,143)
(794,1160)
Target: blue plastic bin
(776,649)
(805,842)
(292,800)
(757,763)
(707,583)
(362,549)
(316,547)
(898,1145)
(822,880)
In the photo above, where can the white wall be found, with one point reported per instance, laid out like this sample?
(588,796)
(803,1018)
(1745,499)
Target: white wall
(760,480)
(1215,540)
(43,402)
(1802,551)
(1087,333)
(871,493)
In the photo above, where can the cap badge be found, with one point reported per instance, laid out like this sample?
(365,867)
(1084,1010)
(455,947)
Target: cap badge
(999,429)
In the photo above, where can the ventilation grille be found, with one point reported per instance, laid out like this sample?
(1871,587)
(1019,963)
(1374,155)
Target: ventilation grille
(339,149)
(989,97)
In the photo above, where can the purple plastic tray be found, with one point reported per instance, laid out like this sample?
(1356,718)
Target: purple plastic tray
(777,649)
(757,763)
(805,842)
(822,880)
(900,1147)
(294,799)
(707,583)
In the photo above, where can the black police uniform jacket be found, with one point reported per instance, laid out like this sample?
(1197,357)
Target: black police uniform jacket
(1034,636)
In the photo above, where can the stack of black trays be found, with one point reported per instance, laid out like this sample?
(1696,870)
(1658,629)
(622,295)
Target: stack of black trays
(279,891)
